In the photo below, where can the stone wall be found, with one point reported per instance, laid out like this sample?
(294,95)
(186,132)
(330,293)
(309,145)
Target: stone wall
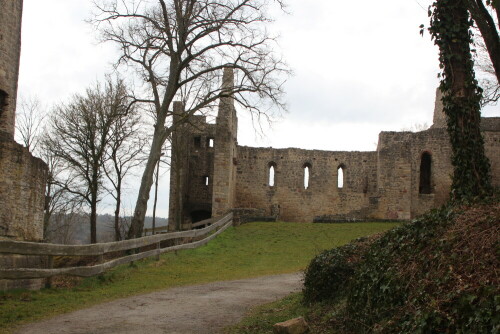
(10,47)
(22,189)
(191,168)
(22,176)
(407,175)
(225,152)
(492,151)
(322,197)
(22,198)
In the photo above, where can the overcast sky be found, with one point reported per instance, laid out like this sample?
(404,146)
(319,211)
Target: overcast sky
(360,67)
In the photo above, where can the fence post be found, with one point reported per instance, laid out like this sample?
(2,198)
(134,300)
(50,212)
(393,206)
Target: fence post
(50,265)
(100,260)
(158,251)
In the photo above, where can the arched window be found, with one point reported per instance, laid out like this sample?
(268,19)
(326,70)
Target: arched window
(3,101)
(197,141)
(340,177)
(272,167)
(307,171)
(425,174)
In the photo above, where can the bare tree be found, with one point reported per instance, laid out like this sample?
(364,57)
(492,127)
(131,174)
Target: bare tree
(57,198)
(30,120)
(415,127)
(81,134)
(487,43)
(483,17)
(183,46)
(64,225)
(124,153)
(487,76)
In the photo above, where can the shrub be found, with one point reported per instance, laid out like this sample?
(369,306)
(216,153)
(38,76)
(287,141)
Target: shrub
(329,273)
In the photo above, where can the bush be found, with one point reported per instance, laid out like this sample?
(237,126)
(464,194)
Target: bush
(329,273)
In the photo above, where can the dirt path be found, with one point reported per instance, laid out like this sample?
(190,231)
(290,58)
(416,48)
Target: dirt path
(196,309)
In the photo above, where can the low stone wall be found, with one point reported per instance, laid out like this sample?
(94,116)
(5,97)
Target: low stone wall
(246,215)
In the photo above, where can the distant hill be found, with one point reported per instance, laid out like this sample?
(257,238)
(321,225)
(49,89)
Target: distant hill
(75,229)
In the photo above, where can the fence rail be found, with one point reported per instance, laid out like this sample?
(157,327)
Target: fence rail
(164,229)
(33,248)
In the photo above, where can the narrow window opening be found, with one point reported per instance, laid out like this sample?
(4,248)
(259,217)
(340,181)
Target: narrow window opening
(197,142)
(3,101)
(271,175)
(210,142)
(340,177)
(307,170)
(205,180)
(425,174)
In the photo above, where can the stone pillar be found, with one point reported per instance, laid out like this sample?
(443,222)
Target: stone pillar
(225,150)
(178,169)
(439,120)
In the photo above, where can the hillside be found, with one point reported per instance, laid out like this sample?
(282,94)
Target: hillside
(438,274)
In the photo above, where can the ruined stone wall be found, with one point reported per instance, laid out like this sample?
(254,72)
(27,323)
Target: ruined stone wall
(22,198)
(492,147)
(409,174)
(22,176)
(193,159)
(225,152)
(384,184)
(436,143)
(322,200)
(10,47)
(22,192)
(399,161)
(393,176)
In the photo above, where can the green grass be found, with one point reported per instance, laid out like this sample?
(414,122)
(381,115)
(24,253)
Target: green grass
(250,250)
(260,320)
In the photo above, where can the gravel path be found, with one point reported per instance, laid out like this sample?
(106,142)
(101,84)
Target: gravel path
(196,309)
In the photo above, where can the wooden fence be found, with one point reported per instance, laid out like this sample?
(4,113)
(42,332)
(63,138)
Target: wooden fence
(99,250)
(164,229)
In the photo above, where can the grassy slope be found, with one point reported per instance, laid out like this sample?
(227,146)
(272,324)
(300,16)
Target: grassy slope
(438,274)
(247,251)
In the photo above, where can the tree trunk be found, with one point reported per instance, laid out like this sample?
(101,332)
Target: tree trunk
(488,30)
(461,100)
(161,134)
(118,235)
(93,219)
(141,205)
(93,207)
(156,195)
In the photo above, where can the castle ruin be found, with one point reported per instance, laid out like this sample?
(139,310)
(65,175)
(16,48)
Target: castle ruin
(407,175)
(22,176)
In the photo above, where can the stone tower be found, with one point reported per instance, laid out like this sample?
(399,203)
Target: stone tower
(22,176)
(10,50)
(203,168)
(225,155)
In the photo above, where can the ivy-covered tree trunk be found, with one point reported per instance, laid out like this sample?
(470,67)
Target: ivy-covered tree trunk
(450,29)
